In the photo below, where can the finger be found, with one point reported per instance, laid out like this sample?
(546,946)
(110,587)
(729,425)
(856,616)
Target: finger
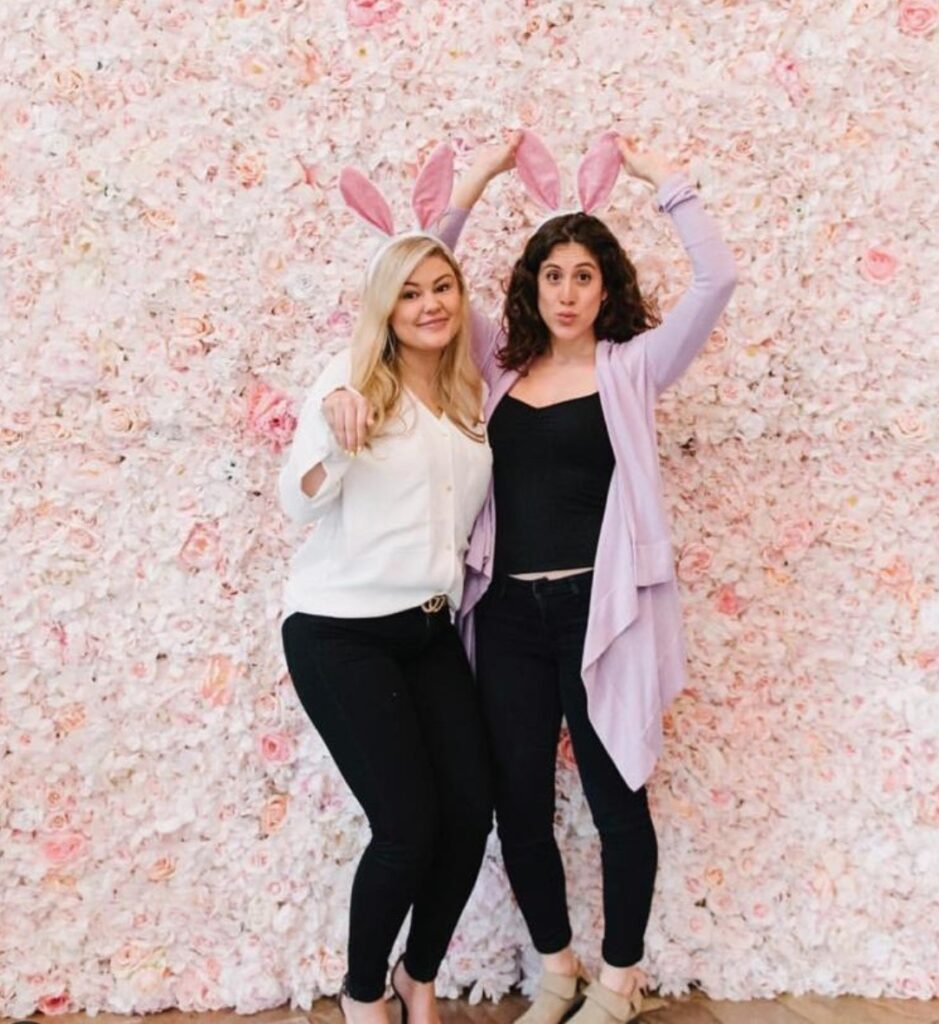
(349,427)
(361,424)
(332,421)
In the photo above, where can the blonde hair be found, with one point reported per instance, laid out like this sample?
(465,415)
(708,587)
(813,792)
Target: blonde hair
(375,362)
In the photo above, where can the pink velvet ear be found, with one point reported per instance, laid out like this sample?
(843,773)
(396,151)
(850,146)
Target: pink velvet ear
(433,186)
(363,198)
(597,173)
(538,171)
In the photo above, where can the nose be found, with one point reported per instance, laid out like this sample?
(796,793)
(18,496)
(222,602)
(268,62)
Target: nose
(566,294)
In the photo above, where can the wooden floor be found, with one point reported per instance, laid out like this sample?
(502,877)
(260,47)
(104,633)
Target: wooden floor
(687,1010)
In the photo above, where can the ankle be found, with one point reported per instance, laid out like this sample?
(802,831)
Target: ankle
(563,962)
(357,1012)
(624,981)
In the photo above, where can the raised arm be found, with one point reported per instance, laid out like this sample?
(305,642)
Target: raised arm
(489,162)
(311,477)
(667,350)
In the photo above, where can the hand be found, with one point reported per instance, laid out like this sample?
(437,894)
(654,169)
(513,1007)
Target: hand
(349,417)
(648,165)
(491,161)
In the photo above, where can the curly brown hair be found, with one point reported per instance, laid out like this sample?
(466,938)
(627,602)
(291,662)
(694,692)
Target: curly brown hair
(623,315)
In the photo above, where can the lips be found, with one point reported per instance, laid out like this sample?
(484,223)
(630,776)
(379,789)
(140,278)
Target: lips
(567,318)
(439,322)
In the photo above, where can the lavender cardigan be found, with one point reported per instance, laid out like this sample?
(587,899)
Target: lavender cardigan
(634,659)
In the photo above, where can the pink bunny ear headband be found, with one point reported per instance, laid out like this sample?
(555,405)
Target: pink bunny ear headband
(596,174)
(429,199)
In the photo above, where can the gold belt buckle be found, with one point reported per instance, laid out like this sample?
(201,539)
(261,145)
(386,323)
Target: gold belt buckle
(433,604)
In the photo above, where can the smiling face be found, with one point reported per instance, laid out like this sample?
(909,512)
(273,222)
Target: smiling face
(426,316)
(570,291)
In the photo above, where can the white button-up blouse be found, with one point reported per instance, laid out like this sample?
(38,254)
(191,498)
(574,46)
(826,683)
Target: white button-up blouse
(392,524)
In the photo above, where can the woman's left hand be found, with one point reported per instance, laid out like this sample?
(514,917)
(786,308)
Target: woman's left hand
(647,165)
(488,163)
(491,161)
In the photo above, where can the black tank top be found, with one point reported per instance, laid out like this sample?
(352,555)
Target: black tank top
(551,474)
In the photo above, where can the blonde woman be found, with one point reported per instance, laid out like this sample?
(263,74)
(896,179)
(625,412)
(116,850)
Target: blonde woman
(368,638)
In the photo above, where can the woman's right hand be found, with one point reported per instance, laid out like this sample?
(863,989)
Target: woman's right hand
(349,417)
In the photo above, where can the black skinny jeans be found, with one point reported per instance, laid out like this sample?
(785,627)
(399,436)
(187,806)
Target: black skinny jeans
(529,647)
(394,701)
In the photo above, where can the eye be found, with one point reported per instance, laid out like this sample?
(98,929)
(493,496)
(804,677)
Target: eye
(445,287)
(408,296)
(553,276)
(585,277)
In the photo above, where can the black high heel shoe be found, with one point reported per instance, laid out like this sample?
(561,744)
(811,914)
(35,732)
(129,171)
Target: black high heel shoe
(394,988)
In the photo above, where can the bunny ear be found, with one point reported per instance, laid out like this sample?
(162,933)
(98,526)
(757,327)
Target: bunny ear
(597,173)
(363,198)
(538,171)
(433,186)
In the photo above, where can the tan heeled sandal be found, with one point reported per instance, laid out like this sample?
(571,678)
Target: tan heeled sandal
(604,1006)
(557,997)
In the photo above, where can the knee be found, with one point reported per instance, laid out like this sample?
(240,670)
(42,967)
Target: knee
(409,845)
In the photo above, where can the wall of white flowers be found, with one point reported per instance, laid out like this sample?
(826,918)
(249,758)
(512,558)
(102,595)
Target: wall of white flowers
(176,267)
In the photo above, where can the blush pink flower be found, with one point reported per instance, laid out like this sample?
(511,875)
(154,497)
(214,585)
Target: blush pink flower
(917,17)
(162,869)
(218,676)
(694,562)
(566,750)
(878,266)
(726,600)
(271,415)
(274,813)
(371,13)
(52,1005)
(786,72)
(64,848)
(276,748)
(202,548)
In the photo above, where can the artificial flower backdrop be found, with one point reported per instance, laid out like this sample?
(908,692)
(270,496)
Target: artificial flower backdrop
(177,266)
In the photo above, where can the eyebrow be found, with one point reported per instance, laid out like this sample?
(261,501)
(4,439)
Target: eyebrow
(557,266)
(437,280)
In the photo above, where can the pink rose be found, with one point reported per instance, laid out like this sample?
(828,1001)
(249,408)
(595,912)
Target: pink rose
(162,869)
(787,73)
(63,848)
(202,549)
(726,600)
(878,266)
(274,813)
(276,748)
(70,718)
(369,13)
(215,685)
(694,562)
(54,1004)
(917,17)
(249,169)
(565,754)
(271,415)
(896,577)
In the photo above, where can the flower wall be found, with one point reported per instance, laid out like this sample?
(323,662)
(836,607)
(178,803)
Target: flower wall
(176,267)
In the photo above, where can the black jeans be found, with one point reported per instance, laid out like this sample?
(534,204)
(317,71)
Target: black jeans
(394,701)
(529,647)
